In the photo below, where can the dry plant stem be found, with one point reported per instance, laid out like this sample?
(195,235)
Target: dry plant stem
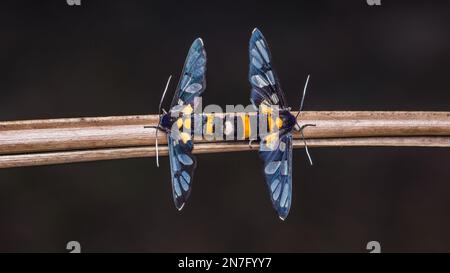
(19,137)
(56,141)
(35,159)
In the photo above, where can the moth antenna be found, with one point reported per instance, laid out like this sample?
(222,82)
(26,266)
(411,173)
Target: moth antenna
(164,94)
(303,97)
(159,122)
(306,148)
(157,151)
(300,128)
(304,140)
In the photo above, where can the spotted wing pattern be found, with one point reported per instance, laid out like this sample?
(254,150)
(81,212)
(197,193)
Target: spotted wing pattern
(191,85)
(278,174)
(276,147)
(265,85)
(192,82)
(182,165)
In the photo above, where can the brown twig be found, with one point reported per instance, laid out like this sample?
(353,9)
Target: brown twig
(35,159)
(42,142)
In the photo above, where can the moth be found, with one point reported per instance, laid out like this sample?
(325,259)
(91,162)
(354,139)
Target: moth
(177,122)
(276,144)
(266,96)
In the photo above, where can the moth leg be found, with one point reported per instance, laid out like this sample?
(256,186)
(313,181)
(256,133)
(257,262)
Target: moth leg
(250,144)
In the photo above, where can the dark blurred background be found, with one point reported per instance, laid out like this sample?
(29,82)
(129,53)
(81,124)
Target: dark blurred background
(113,58)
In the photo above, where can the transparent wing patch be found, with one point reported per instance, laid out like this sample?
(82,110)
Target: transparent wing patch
(182,165)
(277,160)
(191,85)
(265,85)
(192,81)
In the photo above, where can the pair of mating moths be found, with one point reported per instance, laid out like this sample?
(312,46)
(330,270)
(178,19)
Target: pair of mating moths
(275,146)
